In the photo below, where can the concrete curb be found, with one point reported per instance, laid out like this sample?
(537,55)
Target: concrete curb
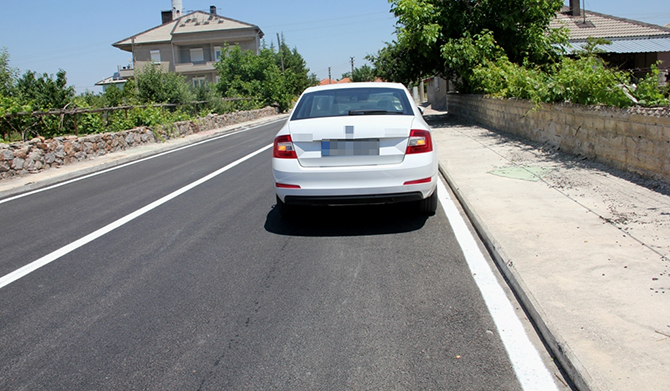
(559,349)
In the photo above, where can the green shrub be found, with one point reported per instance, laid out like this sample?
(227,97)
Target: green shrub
(647,91)
(586,80)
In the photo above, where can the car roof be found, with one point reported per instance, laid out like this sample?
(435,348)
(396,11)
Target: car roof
(355,85)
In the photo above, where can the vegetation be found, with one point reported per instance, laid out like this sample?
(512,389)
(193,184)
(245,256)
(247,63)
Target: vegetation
(272,77)
(363,73)
(438,37)
(267,78)
(585,79)
(506,49)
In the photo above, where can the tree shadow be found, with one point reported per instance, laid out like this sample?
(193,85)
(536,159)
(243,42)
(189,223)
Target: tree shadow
(361,220)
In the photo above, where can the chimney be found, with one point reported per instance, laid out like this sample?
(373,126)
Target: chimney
(574,8)
(177,9)
(212,9)
(166,16)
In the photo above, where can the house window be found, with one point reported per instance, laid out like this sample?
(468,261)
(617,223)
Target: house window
(217,53)
(199,81)
(155,56)
(197,55)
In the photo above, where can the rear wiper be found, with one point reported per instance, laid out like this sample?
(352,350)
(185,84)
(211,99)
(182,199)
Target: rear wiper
(372,112)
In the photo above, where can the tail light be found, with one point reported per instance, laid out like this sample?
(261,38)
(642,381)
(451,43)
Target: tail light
(419,142)
(283,148)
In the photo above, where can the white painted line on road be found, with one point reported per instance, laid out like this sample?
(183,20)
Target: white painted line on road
(47,259)
(528,366)
(244,129)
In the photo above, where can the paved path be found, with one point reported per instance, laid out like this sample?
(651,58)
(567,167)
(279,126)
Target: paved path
(588,249)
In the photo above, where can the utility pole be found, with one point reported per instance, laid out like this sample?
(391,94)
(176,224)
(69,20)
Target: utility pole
(329,75)
(352,66)
(281,53)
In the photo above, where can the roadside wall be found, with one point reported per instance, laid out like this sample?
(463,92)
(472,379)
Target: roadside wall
(39,154)
(634,139)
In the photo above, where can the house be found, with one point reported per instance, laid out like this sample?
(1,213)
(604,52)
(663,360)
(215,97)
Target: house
(188,44)
(114,80)
(635,46)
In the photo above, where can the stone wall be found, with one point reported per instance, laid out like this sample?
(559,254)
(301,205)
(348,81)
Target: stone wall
(634,139)
(39,154)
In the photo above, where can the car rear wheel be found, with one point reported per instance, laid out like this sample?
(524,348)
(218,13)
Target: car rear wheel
(428,206)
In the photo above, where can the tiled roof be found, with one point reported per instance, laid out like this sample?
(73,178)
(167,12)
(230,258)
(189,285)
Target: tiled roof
(199,21)
(628,45)
(196,22)
(605,26)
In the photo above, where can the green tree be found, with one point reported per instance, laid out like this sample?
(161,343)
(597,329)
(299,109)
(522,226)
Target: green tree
(361,74)
(394,63)
(44,92)
(298,79)
(244,74)
(156,86)
(7,74)
(440,37)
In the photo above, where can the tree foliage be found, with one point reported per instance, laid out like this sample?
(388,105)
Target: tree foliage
(156,86)
(436,37)
(294,69)
(243,75)
(44,91)
(361,74)
(505,48)
(31,92)
(7,74)
(585,80)
(261,78)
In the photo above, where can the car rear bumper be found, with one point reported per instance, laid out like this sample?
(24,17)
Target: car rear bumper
(373,199)
(379,184)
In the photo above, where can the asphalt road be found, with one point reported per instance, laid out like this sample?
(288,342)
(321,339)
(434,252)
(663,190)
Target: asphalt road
(212,290)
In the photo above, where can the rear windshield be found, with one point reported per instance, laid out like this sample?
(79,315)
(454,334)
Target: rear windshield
(353,101)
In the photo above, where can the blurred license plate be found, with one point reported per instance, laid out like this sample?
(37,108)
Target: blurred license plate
(364,147)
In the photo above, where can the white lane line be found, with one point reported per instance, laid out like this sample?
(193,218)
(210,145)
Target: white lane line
(45,260)
(244,129)
(528,366)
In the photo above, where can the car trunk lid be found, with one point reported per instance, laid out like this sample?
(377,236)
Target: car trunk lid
(351,140)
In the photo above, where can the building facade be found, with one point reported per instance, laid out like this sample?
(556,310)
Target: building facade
(187,44)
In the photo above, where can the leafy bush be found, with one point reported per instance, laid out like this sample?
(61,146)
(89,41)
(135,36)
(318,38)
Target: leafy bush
(647,92)
(585,80)
(156,86)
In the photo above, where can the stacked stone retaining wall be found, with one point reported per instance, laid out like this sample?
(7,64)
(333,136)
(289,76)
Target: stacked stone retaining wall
(39,154)
(634,139)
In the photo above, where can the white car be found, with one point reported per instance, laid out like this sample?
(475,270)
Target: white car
(355,143)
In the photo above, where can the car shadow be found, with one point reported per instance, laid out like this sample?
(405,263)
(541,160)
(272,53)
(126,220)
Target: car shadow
(346,220)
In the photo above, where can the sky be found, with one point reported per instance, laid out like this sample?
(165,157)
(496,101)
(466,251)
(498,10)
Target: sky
(76,35)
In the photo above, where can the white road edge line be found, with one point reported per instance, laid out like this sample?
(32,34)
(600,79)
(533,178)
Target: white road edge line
(47,259)
(528,366)
(244,129)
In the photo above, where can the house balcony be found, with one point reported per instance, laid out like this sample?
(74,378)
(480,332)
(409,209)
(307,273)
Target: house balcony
(195,67)
(126,73)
